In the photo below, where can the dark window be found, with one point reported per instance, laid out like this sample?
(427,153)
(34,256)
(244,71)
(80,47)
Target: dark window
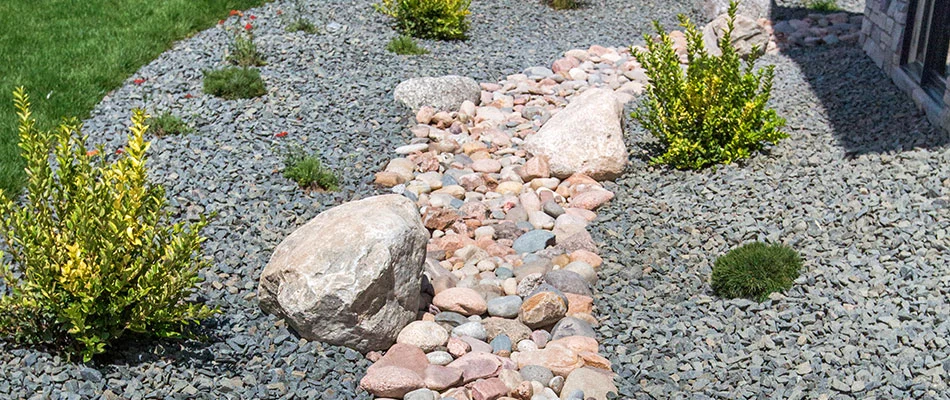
(927,44)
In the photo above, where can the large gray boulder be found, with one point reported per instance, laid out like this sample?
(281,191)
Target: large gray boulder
(751,8)
(585,137)
(352,275)
(444,92)
(746,33)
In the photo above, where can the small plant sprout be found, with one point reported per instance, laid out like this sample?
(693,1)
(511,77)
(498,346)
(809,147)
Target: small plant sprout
(405,45)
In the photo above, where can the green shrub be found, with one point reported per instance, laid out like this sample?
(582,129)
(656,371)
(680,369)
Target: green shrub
(823,5)
(297,22)
(713,113)
(308,172)
(242,50)
(95,254)
(167,123)
(234,83)
(562,4)
(302,25)
(405,45)
(429,19)
(755,270)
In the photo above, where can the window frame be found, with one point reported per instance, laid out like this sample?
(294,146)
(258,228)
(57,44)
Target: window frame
(937,46)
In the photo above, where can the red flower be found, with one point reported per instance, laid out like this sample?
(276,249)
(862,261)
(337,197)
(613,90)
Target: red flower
(139,81)
(188,95)
(221,22)
(248,26)
(234,12)
(252,17)
(118,151)
(280,12)
(91,153)
(282,134)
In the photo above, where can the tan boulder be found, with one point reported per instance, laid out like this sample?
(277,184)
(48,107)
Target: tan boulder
(352,275)
(586,137)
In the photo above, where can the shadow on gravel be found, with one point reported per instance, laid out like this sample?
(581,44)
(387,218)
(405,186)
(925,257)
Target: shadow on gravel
(865,110)
(134,350)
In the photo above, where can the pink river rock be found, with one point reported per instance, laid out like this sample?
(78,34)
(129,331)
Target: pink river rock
(486,165)
(439,378)
(488,389)
(591,199)
(464,301)
(403,356)
(391,382)
(477,366)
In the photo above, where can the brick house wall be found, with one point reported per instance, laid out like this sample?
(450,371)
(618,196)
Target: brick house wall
(882,37)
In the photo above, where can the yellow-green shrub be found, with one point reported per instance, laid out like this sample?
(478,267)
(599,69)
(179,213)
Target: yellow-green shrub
(715,112)
(93,253)
(429,19)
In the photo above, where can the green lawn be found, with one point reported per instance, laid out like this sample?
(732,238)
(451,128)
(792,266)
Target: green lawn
(70,53)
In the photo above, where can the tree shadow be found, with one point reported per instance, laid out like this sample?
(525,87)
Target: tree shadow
(866,111)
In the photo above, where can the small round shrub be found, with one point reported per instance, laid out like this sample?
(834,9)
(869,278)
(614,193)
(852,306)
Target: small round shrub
(429,19)
(562,4)
(755,270)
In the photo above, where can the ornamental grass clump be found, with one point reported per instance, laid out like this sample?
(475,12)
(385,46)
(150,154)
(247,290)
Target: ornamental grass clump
(755,270)
(405,45)
(167,123)
(234,83)
(91,253)
(429,19)
(714,112)
(308,171)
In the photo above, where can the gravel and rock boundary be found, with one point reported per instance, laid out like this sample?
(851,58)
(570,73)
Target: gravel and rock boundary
(861,189)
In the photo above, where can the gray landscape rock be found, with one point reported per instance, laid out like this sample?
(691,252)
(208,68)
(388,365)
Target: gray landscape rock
(472,329)
(537,373)
(501,344)
(570,326)
(352,275)
(439,357)
(754,9)
(747,33)
(444,92)
(532,241)
(505,306)
(585,137)
(568,281)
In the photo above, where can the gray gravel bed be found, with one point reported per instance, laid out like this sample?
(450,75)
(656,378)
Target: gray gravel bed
(860,189)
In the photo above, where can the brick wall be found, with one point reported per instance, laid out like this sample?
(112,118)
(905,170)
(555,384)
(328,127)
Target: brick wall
(882,37)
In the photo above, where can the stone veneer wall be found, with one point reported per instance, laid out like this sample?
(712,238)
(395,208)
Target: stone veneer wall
(882,37)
